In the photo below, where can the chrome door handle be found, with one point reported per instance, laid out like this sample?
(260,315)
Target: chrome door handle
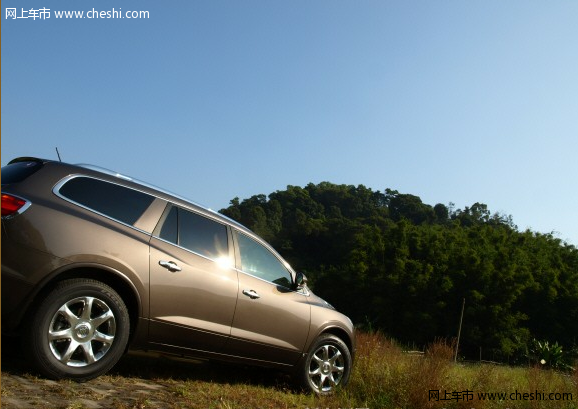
(251,294)
(170,265)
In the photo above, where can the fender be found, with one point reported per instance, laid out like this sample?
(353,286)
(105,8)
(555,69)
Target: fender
(101,272)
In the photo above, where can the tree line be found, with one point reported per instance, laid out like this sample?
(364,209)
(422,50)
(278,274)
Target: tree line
(395,264)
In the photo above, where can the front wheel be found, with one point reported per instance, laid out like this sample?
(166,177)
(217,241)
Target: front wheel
(79,331)
(327,365)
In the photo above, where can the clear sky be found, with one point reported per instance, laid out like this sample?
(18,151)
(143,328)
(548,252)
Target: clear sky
(452,101)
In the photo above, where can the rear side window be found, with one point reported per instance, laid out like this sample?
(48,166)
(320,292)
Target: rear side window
(18,171)
(195,233)
(115,201)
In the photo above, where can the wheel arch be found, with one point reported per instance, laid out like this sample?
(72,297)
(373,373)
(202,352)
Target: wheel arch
(343,335)
(308,379)
(113,278)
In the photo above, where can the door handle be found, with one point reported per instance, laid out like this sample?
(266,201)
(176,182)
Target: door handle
(170,265)
(251,294)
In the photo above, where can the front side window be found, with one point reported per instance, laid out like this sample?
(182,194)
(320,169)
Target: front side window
(257,260)
(112,200)
(195,233)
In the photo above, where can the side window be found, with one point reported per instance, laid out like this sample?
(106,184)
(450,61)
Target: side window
(202,235)
(115,201)
(196,233)
(170,230)
(257,260)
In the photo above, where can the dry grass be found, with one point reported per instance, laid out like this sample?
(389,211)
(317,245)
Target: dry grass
(386,377)
(383,377)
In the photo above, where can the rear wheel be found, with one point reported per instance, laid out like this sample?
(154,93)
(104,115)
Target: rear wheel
(79,331)
(327,365)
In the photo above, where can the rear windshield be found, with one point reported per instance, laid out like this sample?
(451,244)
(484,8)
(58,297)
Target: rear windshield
(17,172)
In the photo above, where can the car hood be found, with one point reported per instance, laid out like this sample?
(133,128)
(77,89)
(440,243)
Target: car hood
(314,299)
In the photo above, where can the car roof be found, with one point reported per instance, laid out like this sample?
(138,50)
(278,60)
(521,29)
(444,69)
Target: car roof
(92,170)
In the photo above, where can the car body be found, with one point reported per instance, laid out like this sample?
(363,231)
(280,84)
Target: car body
(94,262)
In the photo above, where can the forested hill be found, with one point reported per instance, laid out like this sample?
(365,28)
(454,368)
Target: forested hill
(394,263)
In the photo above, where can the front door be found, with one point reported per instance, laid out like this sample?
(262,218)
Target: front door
(271,320)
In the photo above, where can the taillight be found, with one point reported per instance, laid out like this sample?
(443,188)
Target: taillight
(12,205)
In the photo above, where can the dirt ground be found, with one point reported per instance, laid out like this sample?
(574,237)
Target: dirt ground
(27,392)
(138,381)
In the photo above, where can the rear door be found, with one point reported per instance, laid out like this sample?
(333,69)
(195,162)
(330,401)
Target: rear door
(271,320)
(193,287)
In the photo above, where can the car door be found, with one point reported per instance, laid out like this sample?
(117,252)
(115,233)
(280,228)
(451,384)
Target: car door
(271,320)
(193,283)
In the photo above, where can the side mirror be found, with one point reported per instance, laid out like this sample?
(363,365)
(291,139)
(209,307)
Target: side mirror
(300,281)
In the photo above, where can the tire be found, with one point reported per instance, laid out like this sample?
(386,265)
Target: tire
(326,366)
(79,331)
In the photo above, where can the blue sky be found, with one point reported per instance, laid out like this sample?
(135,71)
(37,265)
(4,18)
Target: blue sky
(451,101)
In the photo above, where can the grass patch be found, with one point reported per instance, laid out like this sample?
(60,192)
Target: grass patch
(386,377)
(383,377)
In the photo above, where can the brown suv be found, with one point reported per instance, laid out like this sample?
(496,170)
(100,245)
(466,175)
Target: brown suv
(94,261)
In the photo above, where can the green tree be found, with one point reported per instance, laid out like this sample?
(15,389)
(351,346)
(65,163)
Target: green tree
(389,260)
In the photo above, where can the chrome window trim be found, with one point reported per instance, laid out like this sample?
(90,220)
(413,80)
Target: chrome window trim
(25,207)
(187,204)
(157,188)
(58,186)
